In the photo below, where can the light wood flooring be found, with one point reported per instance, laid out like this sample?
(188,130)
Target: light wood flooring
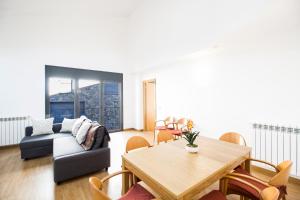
(33,179)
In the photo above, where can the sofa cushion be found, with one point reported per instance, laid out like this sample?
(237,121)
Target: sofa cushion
(56,128)
(90,137)
(40,140)
(67,125)
(83,130)
(43,126)
(77,125)
(64,146)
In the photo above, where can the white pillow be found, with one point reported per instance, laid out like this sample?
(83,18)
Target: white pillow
(67,125)
(77,125)
(82,132)
(43,126)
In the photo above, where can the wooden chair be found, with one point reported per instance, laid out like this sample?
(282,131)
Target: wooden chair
(136,191)
(136,142)
(234,138)
(280,180)
(164,136)
(166,123)
(181,124)
(269,193)
(180,127)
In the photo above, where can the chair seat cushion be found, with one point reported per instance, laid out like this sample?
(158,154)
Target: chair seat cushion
(236,187)
(214,195)
(137,192)
(176,132)
(160,128)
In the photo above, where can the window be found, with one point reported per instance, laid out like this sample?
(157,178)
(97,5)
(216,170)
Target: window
(112,105)
(61,99)
(72,92)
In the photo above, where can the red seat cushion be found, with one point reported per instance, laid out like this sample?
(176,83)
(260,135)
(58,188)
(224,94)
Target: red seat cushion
(214,195)
(160,128)
(176,132)
(240,188)
(236,187)
(137,192)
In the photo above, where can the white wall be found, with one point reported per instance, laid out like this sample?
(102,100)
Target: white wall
(251,76)
(162,30)
(32,38)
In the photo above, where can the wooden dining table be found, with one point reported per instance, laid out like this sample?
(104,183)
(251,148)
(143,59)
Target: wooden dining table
(173,173)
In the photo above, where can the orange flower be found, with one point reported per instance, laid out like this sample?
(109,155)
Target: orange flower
(190,125)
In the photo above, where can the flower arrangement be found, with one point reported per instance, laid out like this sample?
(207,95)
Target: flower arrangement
(190,136)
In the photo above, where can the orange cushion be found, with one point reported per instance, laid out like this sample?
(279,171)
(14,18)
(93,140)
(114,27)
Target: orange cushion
(214,195)
(137,192)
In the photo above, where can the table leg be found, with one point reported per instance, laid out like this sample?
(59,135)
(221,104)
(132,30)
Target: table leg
(125,179)
(247,168)
(247,165)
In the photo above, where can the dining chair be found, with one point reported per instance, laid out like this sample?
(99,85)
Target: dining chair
(165,123)
(136,142)
(234,138)
(270,193)
(180,127)
(279,180)
(181,124)
(169,123)
(164,136)
(136,191)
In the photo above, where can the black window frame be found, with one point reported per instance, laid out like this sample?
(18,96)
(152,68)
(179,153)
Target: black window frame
(76,74)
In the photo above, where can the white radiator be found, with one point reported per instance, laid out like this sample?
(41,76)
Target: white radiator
(12,129)
(274,143)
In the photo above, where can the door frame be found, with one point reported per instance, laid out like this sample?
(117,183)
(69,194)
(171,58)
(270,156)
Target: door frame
(145,102)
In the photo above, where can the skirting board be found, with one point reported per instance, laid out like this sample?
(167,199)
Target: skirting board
(8,146)
(132,129)
(272,173)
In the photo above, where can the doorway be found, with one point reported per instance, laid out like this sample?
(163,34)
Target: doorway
(149,95)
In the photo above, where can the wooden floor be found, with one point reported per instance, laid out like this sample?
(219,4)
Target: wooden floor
(33,179)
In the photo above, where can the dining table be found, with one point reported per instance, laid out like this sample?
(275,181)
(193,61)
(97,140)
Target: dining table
(174,173)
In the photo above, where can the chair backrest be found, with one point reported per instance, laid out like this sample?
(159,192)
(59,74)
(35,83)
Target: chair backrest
(269,193)
(164,136)
(182,124)
(96,189)
(234,138)
(136,142)
(169,119)
(282,177)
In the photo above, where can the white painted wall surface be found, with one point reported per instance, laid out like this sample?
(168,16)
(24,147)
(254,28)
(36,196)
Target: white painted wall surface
(31,38)
(162,30)
(251,76)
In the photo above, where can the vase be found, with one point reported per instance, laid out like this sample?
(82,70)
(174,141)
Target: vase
(192,149)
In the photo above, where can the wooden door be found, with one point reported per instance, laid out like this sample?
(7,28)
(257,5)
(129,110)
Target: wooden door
(149,87)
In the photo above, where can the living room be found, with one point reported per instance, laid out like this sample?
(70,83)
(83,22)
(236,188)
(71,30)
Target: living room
(121,66)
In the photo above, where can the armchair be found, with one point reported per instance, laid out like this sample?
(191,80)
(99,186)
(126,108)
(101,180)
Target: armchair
(280,180)
(136,191)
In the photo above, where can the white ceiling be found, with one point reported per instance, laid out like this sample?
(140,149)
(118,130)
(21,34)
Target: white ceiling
(105,8)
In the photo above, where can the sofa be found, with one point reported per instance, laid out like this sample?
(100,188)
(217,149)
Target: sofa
(70,160)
